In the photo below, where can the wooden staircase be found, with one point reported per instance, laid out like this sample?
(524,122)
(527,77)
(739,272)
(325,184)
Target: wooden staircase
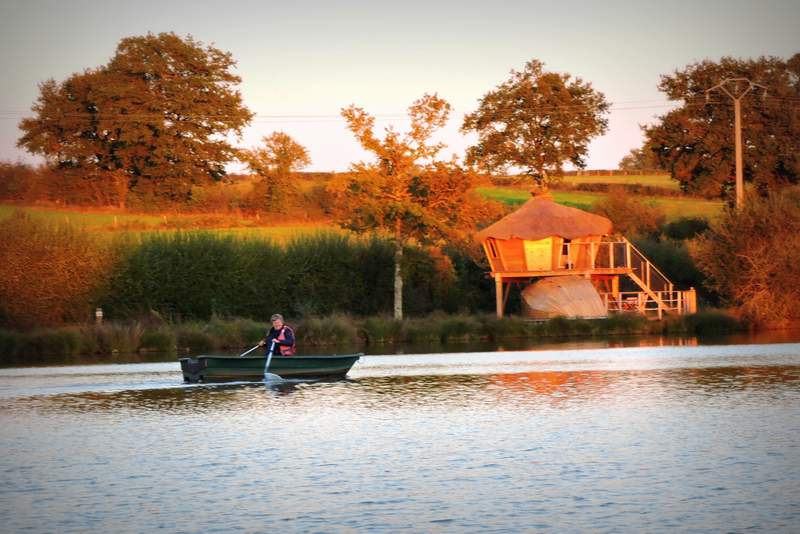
(658,294)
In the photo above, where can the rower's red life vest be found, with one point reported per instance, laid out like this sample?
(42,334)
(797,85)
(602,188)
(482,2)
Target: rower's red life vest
(286,350)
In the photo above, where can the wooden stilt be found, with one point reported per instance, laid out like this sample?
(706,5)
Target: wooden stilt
(498,286)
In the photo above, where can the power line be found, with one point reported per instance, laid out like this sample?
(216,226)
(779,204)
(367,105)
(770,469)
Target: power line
(260,118)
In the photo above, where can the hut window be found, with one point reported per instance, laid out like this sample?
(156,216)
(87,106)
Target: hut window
(565,247)
(492,249)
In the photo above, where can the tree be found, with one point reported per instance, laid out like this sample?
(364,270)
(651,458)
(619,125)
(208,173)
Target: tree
(275,161)
(630,215)
(536,121)
(750,256)
(640,160)
(695,141)
(405,192)
(49,273)
(156,116)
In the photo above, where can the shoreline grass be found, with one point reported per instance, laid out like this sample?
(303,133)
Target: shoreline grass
(107,341)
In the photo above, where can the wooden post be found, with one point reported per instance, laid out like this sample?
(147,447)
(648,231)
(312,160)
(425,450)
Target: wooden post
(691,301)
(498,288)
(628,255)
(611,254)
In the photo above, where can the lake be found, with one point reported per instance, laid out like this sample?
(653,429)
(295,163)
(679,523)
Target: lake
(568,438)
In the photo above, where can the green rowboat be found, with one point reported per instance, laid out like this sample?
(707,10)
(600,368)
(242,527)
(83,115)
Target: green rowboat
(233,368)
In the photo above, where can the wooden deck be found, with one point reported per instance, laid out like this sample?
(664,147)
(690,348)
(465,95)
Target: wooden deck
(612,259)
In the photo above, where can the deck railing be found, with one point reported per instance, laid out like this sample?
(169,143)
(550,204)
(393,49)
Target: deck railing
(642,302)
(658,295)
(619,254)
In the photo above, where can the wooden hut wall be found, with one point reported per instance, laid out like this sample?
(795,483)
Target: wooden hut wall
(539,254)
(513,254)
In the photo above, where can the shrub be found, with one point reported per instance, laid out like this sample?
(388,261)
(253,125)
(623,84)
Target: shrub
(192,337)
(38,345)
(336,329)
(383,329)
(685,228)
(422,330)
(118,337)
(49,274)
(709,322)
(624,323)
(750,257)
(630,215)
(459,328)
(159,340)
(9,346)
(509,327)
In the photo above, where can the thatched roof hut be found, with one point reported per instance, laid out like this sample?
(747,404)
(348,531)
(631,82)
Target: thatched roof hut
(532,238)
(541,217)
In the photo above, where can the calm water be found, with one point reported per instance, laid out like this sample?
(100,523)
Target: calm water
(603,439)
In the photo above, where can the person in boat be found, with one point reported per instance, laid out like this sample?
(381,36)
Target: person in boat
(281,335)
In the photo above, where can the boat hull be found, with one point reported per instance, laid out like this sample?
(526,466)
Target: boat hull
(232,368)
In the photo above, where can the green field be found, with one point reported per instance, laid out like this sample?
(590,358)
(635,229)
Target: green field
(110,223)
(652,180)
(674,207)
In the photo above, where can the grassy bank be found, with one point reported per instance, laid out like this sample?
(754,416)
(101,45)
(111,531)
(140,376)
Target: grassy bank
(152,335)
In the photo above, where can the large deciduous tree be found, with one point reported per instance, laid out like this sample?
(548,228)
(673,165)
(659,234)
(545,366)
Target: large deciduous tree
(156,116)
(405,192)
(274,162)
(695,141)
(535,121)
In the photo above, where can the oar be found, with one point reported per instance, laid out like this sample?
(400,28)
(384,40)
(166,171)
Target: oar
(268,377)
(249,351)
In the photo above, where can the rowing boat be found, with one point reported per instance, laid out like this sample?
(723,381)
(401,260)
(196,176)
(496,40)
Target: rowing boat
(232,368)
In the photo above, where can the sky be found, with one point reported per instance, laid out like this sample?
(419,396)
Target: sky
(302,61)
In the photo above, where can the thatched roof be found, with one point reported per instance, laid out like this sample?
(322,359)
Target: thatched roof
(541,217)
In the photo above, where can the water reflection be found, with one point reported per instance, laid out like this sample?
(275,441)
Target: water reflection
(535,387)
(617,341)
(640,440)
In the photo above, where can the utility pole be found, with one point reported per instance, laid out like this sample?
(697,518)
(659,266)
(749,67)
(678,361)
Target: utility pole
(737,88)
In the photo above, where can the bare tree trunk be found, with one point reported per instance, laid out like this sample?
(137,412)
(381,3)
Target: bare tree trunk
(398,280)
(398,270)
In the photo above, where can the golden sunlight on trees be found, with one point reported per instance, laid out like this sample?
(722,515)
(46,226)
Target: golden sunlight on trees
(404,192)
(631,215)
(274,162)
(48,273)
(154,118)
(751,257)
(535,121)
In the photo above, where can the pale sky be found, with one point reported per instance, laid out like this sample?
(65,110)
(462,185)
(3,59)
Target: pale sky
(301,61)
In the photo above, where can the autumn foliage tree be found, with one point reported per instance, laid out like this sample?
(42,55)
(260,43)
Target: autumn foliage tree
(405,192)
(536,121)
(155,118)
(750,256)
(49,274)
(275,162)
(695,141)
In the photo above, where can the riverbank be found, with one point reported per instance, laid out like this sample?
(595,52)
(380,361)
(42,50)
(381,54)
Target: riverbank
(153,335)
